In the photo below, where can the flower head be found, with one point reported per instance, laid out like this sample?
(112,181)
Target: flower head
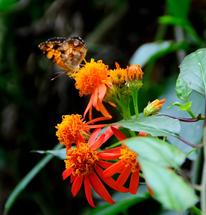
(91,76)
(125,166)
(154,107)
(72,128)
(84,166)
(120,76)
(93,80)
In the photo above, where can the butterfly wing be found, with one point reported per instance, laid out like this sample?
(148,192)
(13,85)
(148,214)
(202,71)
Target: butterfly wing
(66,53)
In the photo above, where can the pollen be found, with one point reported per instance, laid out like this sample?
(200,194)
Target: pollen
(82,159)
(129,157)
(70,129)
(90,76)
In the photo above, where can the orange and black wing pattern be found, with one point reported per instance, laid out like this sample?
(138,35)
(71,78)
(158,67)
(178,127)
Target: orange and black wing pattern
(65,53)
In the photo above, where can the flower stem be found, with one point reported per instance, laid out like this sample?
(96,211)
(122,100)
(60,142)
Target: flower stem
(191,113)
(135,102)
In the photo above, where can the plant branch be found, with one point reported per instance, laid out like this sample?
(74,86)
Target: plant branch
(199,117)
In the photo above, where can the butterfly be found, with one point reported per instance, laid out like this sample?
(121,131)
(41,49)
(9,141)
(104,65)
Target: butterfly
(65,53)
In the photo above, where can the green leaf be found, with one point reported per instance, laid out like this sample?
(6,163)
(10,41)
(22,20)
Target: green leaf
(170,189)
(157,151)
(27,179)
(183,23)
(146,51)
(193,71)
(182,90)
(178,8)
(154,125)
(123,202)
(59,153)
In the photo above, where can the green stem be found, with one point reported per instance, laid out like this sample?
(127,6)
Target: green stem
(135,102)
(191,113)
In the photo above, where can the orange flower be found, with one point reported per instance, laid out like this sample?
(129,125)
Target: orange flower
(84,166)
(125,166)
(120,76)
(92,79)
(73,128)
(154,107)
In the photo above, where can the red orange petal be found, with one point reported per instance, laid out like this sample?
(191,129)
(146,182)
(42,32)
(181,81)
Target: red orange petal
(102,89)
(134,182)
(93,136)
(104,164)
(100,188)
(108,156)
(118,134)
(76,185)
(66,173)
(123,176)
(114,169)
(96,144)
(88,191)
(110,181)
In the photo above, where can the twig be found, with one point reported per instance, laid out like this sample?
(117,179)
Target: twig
(199,117)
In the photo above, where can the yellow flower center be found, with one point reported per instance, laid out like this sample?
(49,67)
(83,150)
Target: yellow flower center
(71,127)
(81,159)
(129,157)
(91,76)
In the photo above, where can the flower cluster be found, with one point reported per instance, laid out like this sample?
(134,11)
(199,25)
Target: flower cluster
(88,164)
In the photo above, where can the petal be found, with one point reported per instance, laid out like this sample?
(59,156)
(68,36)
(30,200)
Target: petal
(110,181)
(66,173)
(102,89)
(95,97)
(88,191)
(76,185)
(100,188)
(100,107)
(108,133)
(96,144)
(93,136)
(108,156)
(113,150)
(123,176)
(104,164)
(89,106)
(134,182)
(118,134)
(113,169)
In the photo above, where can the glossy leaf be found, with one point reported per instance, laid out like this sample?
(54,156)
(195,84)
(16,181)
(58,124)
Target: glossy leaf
(182,90)
(169,188)
(154,125)
(146,51)
(193,71)
(157,151)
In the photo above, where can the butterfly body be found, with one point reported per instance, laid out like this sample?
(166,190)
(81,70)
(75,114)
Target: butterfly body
(66,53)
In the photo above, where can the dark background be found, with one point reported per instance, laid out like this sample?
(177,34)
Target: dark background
(31,104)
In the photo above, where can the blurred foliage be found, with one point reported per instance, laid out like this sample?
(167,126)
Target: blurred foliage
(31,105)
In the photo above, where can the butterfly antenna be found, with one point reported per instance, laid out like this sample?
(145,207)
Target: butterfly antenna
(58,75)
